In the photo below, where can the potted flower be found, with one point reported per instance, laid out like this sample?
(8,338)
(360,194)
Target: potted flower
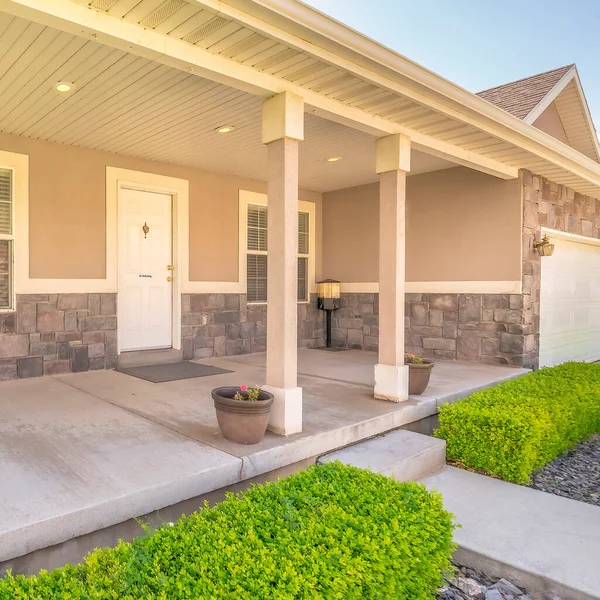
(242,413)
(419,372)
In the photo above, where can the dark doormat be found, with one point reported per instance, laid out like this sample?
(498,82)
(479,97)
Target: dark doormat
(172,371)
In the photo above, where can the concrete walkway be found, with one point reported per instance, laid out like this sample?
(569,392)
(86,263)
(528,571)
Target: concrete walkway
(541,541)
(82,452)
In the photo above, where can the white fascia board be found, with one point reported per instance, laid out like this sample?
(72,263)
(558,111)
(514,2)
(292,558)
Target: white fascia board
(552,95)
(549,98)
(79,20)
(427,88)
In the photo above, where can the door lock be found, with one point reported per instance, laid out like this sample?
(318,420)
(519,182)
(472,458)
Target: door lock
(170,267)
(169,279)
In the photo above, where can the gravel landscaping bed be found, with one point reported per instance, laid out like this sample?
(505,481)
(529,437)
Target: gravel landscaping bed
(469,584)
(574,475)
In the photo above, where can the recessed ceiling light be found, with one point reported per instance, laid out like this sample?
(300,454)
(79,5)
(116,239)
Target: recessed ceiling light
(334,159)
(64,86)
(225,129)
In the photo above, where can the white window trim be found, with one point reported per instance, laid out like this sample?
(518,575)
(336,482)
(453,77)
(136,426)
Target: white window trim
(19,165)
(246,197)
(10,237)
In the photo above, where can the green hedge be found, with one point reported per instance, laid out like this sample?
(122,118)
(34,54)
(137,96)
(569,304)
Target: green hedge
(517,427)
(331,531)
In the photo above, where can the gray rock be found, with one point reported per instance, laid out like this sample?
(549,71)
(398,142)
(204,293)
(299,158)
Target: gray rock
(506,588)
(575,474)
(493,594)
(470,587)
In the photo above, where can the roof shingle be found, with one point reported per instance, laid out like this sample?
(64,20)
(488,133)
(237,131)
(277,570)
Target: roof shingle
(520,97)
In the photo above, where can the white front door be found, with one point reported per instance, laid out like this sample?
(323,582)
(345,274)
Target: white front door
(145,252)
(570,303)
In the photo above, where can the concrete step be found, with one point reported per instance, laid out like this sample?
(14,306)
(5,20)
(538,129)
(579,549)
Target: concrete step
(403,455)
(144,358)
(539,541)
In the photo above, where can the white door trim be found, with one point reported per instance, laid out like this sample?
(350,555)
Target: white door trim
(178,189)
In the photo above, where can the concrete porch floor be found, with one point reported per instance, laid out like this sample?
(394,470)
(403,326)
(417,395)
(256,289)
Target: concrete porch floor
(82,452)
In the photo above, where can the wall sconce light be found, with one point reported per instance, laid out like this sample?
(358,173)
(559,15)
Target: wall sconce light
(544,247)
(328,299)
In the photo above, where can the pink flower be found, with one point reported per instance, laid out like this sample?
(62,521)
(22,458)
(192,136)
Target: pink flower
(243,388)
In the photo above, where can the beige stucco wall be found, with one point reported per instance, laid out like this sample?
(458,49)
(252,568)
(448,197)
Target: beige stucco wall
(461,225)
(67,211)
(549,122)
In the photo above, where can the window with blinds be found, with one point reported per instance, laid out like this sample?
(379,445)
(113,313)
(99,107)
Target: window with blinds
(6,238)
(256,257)
(303,252)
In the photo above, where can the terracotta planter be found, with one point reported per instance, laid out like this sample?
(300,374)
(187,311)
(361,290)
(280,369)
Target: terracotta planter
(242,422)
(418,377)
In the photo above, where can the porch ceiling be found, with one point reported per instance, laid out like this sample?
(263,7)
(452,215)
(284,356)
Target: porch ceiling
(126,104)
(266,46)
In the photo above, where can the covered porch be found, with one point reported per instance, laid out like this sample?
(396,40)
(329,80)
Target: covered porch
(139,190)
(82,452)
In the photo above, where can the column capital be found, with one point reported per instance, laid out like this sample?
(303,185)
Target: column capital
(283,117)
(392,153)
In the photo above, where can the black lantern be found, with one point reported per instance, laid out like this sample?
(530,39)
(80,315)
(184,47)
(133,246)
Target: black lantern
(328,299)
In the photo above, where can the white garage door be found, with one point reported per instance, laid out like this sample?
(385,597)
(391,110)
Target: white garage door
(570,303)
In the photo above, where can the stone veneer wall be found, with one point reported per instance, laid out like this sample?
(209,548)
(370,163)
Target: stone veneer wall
(226,325)
(548,204)
(483,328)
(49,334)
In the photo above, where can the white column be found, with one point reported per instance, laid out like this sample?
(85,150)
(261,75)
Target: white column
(392,164)
(283,128)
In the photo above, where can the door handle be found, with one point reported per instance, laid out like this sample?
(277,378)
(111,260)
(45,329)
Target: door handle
(170,267)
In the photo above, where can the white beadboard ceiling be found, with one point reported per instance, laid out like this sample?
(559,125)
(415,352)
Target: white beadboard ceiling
(130,105)
(200,24)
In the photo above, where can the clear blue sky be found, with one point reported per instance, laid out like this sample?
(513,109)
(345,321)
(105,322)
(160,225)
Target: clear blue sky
(478,44)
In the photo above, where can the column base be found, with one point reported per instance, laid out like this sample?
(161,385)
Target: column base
(286,411)
(391,383)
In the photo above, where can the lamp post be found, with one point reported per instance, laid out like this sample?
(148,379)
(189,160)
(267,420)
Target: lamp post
(328,299)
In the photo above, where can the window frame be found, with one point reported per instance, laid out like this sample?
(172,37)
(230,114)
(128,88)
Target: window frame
(249,252)
(10,237)
(306,256)
(247,197)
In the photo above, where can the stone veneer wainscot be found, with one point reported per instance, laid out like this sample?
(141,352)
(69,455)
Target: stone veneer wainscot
(482,328)
(226,325)
(50,334)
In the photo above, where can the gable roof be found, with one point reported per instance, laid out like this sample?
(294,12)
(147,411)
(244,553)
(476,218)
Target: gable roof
(520,97)
(528,98)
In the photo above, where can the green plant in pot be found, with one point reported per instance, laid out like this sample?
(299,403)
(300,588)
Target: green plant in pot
(419,372)
(242,413)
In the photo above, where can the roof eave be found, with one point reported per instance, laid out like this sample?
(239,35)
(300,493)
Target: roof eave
(313,27)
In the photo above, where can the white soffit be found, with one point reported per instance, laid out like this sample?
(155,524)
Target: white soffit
(133,106)
(398,103)
(210,26)
(572,110)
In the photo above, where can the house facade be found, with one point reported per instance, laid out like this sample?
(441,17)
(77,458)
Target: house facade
(180,174)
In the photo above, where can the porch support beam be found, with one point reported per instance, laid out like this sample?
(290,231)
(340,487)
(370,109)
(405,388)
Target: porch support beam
(282,130)
(392,164)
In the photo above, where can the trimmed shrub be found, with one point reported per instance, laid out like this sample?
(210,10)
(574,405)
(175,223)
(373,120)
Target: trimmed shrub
(517,427)
(331,531)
